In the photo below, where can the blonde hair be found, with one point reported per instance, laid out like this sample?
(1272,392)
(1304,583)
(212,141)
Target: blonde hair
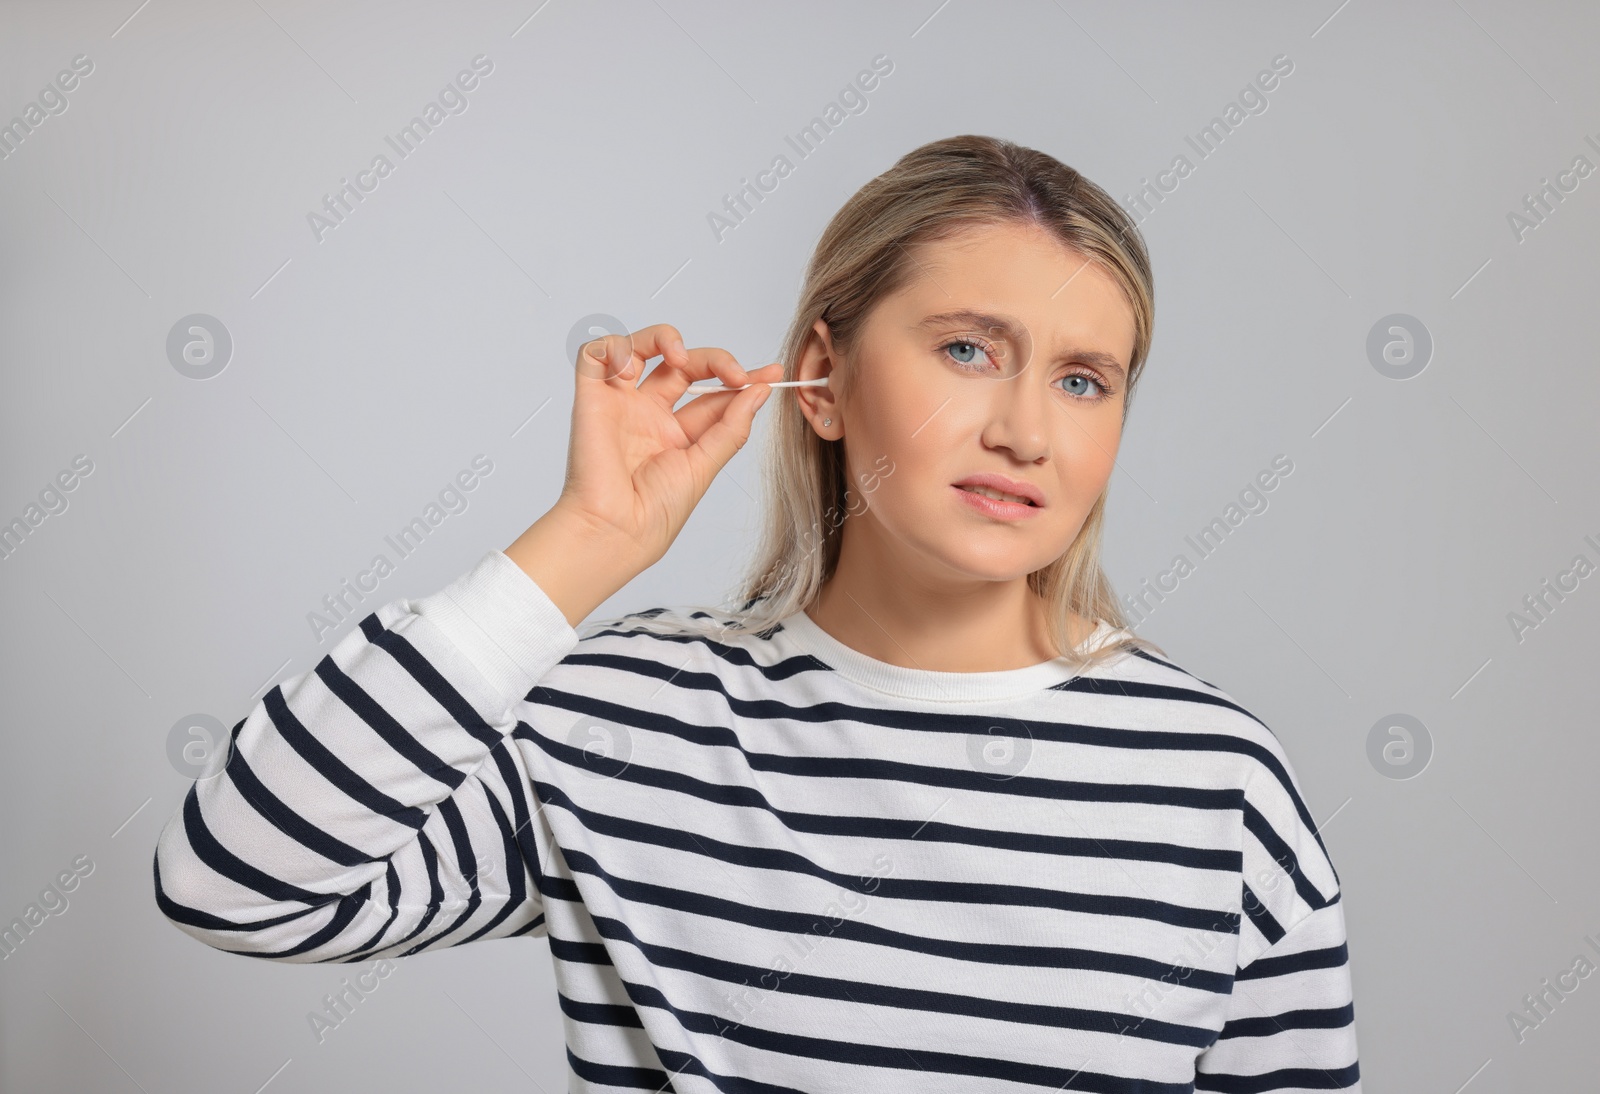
(931,193)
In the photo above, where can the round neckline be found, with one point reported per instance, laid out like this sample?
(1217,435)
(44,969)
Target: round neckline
(931,684)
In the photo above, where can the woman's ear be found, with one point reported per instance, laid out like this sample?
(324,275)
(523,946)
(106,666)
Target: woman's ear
(820,405)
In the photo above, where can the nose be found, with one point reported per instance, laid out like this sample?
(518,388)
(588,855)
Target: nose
(1018,417)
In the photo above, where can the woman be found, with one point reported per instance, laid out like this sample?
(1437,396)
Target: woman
(922,815)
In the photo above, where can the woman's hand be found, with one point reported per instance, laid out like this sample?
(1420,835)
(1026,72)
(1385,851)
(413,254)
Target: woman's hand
(635,467)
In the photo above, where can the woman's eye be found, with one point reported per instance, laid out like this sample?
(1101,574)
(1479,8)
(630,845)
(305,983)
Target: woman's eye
(1078,384)
(965,353)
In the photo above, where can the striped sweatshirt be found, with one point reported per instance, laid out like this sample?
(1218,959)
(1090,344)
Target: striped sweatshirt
(773,864)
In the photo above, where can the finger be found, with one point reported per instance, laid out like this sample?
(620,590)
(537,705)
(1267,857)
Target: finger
(698,413)
(621,356)
(605,358)
(659,340)
(668,382)
(725,436)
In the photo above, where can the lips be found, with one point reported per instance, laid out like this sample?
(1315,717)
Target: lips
(1002,488)
(998,495)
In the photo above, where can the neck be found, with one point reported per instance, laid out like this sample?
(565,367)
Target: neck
(929,620)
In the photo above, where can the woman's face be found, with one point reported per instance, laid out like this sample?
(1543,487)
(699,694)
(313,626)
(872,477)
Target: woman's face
(1005,356)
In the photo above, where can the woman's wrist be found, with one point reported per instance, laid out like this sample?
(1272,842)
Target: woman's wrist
(576,561)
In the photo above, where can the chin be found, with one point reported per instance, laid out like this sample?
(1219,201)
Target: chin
(990,562)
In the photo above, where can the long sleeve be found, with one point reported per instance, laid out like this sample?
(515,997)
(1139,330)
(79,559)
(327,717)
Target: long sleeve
(1291,1020)
(376,804)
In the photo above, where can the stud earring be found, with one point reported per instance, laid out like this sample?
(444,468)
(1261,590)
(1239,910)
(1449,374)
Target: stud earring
(827,421)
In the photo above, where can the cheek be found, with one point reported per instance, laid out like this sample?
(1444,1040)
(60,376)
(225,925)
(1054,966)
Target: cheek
(903,443)
(1085,446)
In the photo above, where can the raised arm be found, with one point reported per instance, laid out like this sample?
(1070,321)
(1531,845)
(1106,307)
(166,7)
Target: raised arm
(376,804)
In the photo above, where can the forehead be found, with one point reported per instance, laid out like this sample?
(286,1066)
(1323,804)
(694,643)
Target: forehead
(1023,271)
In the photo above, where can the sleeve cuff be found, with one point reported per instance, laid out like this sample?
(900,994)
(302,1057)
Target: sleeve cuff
(503,622)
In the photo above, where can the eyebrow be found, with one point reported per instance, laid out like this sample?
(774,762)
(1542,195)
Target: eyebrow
(1013,330)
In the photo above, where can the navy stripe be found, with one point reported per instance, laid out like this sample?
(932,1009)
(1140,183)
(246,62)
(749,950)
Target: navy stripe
(1283,855)
(767,858)
(849,767)
(384,725)
(466,863)
(234,868)
(330,767)
(392,878)
(762,978)
(599,1014)
(193,917)
(1263,968)
(430,861)
(996,953)
(682,1062)
(1289,1078)
(516,782)
(1035,729)
(583,953)
(286,820)
(433,682)
(533,926)
(641,1078)
(515,876)
(1200,858)
(1325,1018)
(777,672)
(1154,660)
(348,907)
(1261,916)
(1070,733)
(900,1059)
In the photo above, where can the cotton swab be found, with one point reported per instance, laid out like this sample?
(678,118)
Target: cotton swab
(707,388)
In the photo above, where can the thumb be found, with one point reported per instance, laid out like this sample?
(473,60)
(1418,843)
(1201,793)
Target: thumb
(604,359)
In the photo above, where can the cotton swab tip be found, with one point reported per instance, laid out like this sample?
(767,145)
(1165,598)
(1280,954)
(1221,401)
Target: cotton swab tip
(707,388)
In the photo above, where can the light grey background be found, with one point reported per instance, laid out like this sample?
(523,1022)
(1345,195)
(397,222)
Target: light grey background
(369,368)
